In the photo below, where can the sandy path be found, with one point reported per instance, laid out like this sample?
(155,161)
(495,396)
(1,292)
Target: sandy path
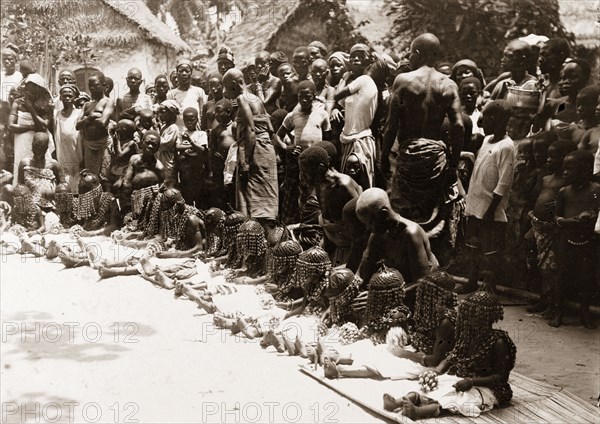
(120,350)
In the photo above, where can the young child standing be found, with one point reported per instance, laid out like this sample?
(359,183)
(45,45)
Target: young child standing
(545,231)
(489,188)
(576,213)
(220,141)
(192,161)
(308,124)
(169,137)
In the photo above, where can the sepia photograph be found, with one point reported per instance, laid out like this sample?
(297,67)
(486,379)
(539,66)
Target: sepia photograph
(300,211)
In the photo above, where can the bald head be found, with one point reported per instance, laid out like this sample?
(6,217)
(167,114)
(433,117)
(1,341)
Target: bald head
(263,56)
(134,71)
(233,74)
(233,83)
(516,56)
(425,50)
(373,198)
(146,114)
(373,209)
(126,129)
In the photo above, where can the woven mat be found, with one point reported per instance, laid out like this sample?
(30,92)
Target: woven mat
(532,402)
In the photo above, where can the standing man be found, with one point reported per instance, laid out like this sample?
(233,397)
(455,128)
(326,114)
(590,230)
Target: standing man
(93,124)
(133,102)
(423,177)
(10,76)
(420,100)
(360,103)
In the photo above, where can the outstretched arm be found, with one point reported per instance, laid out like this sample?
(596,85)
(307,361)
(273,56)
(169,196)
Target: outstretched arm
(195,225)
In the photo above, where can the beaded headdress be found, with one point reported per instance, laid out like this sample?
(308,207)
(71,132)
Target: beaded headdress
(285,257)
(435,301)
(312,272)
(386,295)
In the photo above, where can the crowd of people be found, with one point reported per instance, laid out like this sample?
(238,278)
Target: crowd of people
(343,182)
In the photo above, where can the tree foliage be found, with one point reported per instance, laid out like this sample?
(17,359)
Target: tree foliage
(199,21)
(43,38)
(474,29)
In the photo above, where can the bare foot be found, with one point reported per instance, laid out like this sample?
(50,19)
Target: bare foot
(587,321)
(265,342)
(330,369)
(96,260)
(414,412)
(222,322)
(178,290)
(409,409)
(27,247)
(300,348)
(290,346)
(53,250)
(556,321)
(70,259)
(147,267)
(390,403)
(278,343)
(163,280)
(105,272)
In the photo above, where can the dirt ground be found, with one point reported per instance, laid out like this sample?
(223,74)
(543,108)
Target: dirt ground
(76,349)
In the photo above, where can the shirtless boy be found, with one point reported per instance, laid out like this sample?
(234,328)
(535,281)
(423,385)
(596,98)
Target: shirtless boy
(544,226)
(576,212)
(93,123)
(144,173)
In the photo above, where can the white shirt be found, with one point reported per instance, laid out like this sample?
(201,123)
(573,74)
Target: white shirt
(360,106)
(192,97)
(492,174)
(9,82)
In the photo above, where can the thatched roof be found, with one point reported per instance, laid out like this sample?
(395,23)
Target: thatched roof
(264,21)
(137,13)
(581,17)
(110,22)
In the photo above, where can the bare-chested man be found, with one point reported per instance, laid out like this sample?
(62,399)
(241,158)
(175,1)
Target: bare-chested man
(401,243)
(267,87)
(144,173)
(133,102)
(423,174)
(420,100)
(93,123)
(333,190)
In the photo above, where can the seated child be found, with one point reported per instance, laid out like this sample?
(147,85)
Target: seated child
(431,340)
(481,362)
(39,173)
